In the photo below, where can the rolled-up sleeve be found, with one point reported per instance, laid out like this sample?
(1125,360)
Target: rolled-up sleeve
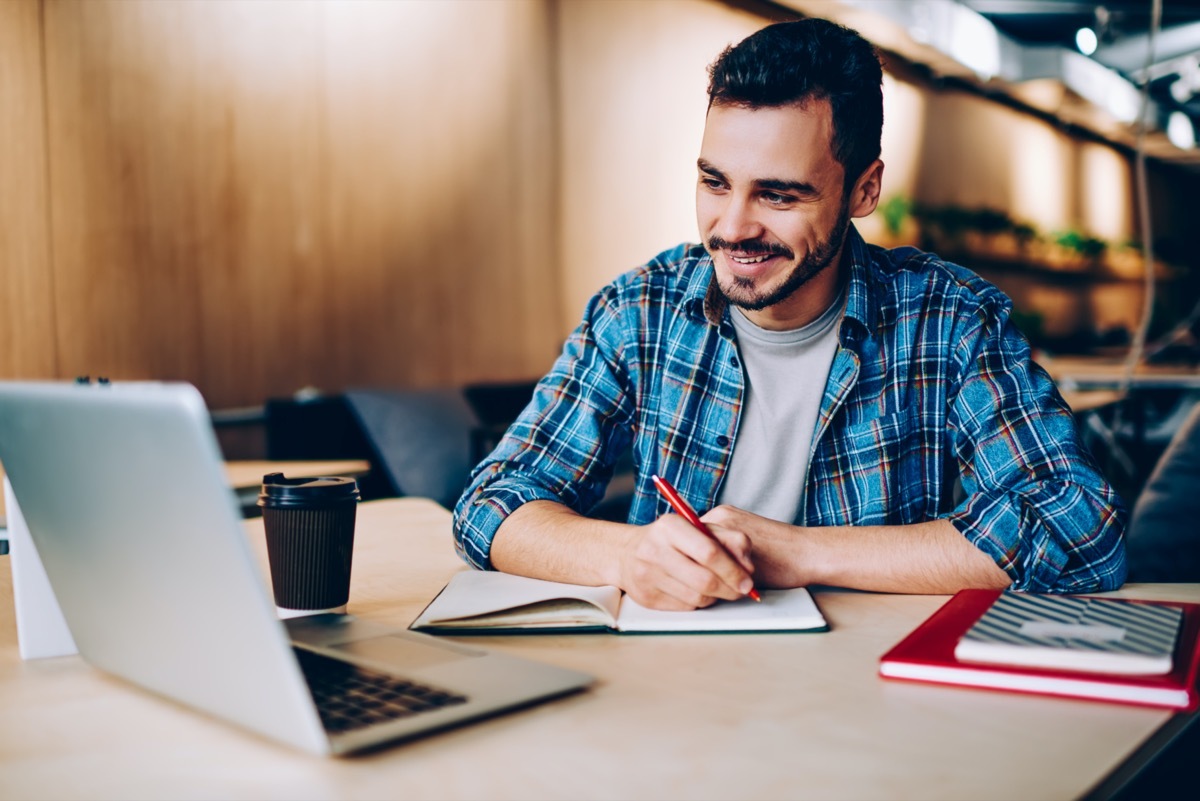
(564,444)
(1036,502)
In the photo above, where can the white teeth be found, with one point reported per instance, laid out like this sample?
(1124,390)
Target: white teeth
(755,260)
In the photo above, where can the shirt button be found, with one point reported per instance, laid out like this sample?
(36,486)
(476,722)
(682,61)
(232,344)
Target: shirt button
(723,441)
(733,360)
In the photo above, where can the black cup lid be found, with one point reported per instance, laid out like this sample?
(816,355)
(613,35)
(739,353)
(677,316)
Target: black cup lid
(281,492)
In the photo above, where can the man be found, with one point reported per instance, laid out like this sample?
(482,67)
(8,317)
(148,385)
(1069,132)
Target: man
(822,398)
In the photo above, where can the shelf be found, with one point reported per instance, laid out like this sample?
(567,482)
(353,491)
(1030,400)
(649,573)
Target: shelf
(1110,269)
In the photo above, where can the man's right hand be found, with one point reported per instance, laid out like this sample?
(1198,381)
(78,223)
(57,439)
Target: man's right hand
(668,564)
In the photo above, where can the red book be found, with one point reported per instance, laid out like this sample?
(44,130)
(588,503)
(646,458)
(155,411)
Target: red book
(927,654)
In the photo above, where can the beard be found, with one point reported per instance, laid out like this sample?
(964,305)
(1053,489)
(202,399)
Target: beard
(740,291)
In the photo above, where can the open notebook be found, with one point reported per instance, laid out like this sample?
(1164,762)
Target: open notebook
(479,602)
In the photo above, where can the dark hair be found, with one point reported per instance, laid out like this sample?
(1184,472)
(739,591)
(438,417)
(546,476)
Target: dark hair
(809,59)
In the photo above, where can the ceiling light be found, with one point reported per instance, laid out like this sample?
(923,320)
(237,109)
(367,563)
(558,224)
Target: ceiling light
(1187,84)
(1181,90)
(1086,40)
(1181,131)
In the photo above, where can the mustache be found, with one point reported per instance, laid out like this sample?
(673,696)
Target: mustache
(750,247)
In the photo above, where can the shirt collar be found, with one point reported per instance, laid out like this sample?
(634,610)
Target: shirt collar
(862,303)
(703,298)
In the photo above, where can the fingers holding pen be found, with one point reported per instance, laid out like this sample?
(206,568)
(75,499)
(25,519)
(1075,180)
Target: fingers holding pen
(734,541)
(781,552)
(723,561)
(671,565)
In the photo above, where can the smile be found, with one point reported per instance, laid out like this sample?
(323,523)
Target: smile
(751,259)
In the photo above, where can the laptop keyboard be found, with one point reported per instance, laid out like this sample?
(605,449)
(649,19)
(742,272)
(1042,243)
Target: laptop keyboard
(350,697)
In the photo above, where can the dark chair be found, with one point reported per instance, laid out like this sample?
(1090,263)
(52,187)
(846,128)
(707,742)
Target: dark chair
(318,427)
(1163,541)
(421,439)
(321,427)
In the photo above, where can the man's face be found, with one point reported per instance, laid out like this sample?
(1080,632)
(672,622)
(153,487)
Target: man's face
(771,209)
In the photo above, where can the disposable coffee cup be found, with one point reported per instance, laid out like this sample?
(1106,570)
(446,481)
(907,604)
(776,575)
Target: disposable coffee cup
(309,524)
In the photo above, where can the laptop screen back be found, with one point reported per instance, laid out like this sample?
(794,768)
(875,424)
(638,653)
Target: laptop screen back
(123,489)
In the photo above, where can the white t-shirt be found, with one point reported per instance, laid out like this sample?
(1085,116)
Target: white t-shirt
(785,375)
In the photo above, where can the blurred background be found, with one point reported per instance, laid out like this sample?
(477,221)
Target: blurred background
(316,196)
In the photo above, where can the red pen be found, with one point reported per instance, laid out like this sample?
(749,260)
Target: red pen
(689,514)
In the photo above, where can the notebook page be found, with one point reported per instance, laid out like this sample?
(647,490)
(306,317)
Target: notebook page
(476,593)
(780,610)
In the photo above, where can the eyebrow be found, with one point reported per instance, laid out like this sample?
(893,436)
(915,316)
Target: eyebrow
(769,184)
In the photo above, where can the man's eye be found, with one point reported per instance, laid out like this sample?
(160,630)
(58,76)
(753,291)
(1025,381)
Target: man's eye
(711,183)
(776,199)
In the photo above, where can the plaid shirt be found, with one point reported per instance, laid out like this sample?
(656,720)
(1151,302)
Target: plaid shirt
(931,383)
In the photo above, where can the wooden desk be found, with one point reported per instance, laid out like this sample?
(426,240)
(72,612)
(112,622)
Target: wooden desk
(246,476)
(1088,400)
(1088,373)
(249,474)
(1088,383)
(670,717)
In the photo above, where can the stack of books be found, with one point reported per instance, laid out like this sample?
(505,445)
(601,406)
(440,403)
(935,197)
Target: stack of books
(1134,652)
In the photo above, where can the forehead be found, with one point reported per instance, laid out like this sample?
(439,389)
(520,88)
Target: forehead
(793,142)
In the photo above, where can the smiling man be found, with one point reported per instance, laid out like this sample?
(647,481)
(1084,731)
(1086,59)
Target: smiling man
(848,415)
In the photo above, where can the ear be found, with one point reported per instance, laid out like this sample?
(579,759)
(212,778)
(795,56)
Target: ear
(864,197)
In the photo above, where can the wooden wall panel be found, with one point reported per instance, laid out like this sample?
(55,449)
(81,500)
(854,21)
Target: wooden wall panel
(441,191)
(262,196)
(259,197)
(634,93)
(27,337)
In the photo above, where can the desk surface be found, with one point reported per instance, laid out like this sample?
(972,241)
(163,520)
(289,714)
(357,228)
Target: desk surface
(1096,373)
(249,474)
(678,716)
(1086,400)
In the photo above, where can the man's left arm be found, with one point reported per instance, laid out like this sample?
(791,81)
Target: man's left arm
(925,558)
(1036,502)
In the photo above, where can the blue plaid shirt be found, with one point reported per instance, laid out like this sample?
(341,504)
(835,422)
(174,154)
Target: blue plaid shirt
(931,383)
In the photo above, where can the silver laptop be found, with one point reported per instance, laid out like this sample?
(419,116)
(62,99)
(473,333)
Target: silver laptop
(123,489)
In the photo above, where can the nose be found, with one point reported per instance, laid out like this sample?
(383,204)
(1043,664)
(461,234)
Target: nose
(737,221)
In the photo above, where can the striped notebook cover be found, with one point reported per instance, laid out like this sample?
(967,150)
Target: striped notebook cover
(1103,635)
